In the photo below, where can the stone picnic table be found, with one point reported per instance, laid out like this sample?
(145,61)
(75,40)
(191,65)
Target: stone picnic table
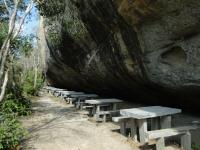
(67,94)
(54,90)
(80,98)
(160,119)
(59,92)
(98,103)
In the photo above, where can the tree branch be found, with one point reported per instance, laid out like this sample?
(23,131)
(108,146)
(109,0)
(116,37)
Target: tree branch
(5,3)
(10,28)
(6,44)
(28,9)
(3,88)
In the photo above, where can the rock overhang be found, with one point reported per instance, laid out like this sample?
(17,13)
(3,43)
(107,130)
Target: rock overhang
(138,46)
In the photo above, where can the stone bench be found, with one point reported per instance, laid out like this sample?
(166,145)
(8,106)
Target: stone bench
(87,107)
(122,120)
(70,100)
(80,105)
(104,114)
(90,106)
(56,94)
(90,109)
(160,135)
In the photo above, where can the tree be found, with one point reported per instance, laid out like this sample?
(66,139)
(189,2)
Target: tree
(12,9)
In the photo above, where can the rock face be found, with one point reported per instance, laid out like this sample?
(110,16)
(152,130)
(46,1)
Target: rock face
(142,49)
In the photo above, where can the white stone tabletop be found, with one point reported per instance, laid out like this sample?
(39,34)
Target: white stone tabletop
(83,95)
(70,92)
(149,112)
(102,101)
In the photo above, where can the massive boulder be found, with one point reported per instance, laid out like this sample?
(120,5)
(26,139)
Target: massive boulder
(143,50)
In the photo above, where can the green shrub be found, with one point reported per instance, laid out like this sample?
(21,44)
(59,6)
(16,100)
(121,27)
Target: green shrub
(28,87)
(195,146)
(28,84)
(4,31)
(18,106)
(13,107)
(11,131)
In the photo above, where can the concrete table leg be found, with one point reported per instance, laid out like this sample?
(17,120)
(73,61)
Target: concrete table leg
(186,141)
(77,103)
(123,127)
(133,129)
(142,123)
(155,123)
(160,144)
(166,122)
(70,101)
(91,111)
(98,109)
(81,106)
(104,118)
(97,112)
(94,110)
(114,106)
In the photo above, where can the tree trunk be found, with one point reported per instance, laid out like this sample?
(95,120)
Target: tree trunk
(35,77)
(3,88)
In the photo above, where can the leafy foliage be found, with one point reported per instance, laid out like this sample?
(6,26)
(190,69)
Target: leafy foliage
(4,15)
(28,84)
(50,7)
(3,11)
(14,105)
(22,46)
(10,131)
(195,146)
(4,31)
(17,106)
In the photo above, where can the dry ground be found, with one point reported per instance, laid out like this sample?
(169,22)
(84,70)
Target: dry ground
(55,125)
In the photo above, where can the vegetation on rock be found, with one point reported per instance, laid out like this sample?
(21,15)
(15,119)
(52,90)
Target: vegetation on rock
(50,7)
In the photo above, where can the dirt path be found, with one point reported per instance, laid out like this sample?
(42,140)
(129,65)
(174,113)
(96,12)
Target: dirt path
(57,126)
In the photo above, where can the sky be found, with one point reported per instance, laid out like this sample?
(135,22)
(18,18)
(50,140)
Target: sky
(32,23)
